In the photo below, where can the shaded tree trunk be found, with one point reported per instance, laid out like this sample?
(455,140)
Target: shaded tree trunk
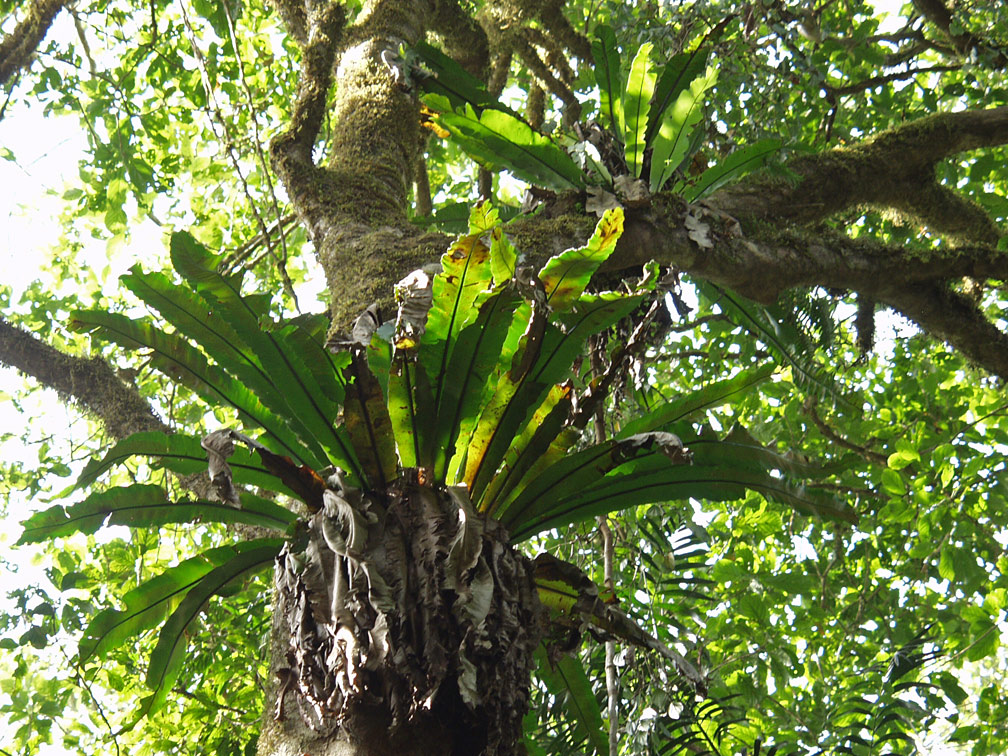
(405,624)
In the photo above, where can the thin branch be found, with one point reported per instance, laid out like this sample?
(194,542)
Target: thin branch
(281,259)
(237,256)
(86,685)
(217,114)
(937,13)
(424,206)
(79,26)
(528,53)
(829,433)
(877,81)
(612,681)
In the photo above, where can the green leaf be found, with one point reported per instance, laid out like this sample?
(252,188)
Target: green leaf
(140,506)
(566,679)
(713,483)
(574,473)
(148,604)
(179,360)
(892,483)
(305,398)
(708,397)
(636,105)
(465,274)
(608,76)
(987,640)
(772,326)
(672,142)
(476,355)
(539,443)
(193,317)
(675,75)
(181,454)
(951,688)
(410,408)
(565,276)
(904,456)
(542,360)
(448,79)
(169,654)
(586,484)
(499,141)
(737,164)
(946,563)
(503,257)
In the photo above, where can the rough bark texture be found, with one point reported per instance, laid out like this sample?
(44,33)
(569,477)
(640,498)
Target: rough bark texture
(18,47)
(91,383)
(409,625)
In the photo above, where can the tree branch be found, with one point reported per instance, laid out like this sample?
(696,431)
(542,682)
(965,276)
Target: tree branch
(291,151)
(953,317)
(937,13)
(894,170)
(17,48)
(915,282)
(294,15)
(876,81)
(91,383)
(463,39)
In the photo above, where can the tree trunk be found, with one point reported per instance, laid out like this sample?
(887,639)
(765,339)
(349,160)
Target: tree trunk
(404,624)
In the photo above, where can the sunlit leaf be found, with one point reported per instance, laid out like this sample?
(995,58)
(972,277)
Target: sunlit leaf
(565,276)
(737,164)
(499,141)
(143,506)
(169,653)
(636,106)
(672,142)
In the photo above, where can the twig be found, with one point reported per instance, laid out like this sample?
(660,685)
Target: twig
(829,433)
(281,259)
(94,699)
(612,689)
(217,114)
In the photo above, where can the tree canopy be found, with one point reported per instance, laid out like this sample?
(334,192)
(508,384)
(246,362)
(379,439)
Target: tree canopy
(753,255)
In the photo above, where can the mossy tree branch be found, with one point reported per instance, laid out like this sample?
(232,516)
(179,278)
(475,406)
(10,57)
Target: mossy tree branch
(91,383)
(17,48)
(355,206)
(764,263)
(894,170)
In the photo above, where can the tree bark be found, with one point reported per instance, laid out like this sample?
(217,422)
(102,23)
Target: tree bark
(91,383)
(18,47)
